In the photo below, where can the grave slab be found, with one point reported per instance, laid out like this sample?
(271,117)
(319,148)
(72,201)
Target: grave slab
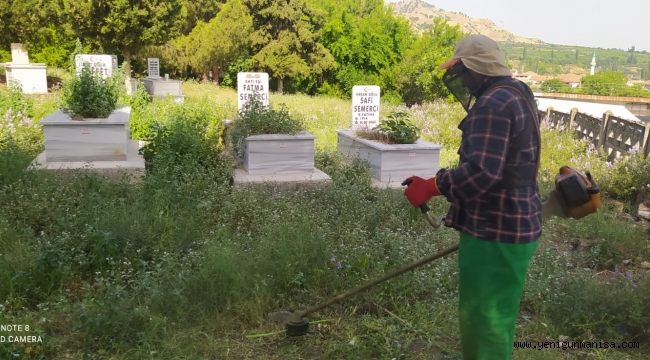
(276,153)
(390,164)
(99,145)
(316,176)
(161,87)
(133,165)
(88,139)
(279,159)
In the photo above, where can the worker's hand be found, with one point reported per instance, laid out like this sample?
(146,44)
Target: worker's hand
(419,190)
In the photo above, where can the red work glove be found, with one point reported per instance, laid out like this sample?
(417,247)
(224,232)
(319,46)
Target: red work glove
(419,190)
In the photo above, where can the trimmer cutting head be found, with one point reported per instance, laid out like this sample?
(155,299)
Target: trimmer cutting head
(295,323)
(297,326)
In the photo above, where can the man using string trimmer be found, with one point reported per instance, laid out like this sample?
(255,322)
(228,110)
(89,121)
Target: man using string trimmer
(493,194)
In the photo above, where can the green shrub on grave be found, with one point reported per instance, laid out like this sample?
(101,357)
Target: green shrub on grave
(89,95)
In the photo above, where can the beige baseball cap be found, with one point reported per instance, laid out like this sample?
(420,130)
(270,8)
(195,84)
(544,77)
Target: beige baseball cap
(480,54)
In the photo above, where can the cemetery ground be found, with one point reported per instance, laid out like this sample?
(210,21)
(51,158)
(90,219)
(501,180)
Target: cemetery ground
(180,265)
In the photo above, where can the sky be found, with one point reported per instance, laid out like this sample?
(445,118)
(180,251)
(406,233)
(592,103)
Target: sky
(594,23)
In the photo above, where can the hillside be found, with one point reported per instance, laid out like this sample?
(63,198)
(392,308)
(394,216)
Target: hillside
(526,54)
(421,15)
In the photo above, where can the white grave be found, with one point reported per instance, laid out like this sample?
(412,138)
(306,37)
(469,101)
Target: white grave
(100,145)
(279,158)
(103,65)
(161,87)
(252,84)
(390,164)
(32,78)
(365,106)
(104,139)
(153,68)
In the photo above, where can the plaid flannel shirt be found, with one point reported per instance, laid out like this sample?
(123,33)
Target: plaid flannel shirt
(480,205)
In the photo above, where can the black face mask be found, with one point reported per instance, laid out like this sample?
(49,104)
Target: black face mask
(462,85)
(457,85)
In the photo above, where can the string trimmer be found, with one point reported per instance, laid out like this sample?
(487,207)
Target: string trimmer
(297,324)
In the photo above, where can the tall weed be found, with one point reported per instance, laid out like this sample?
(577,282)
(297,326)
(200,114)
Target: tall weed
(588,309)
(629,180)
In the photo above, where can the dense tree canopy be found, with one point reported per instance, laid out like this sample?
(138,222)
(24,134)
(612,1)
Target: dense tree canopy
(366,39)
(612,83)
(418,77)
(199,10)
(285,39)
(555,85)
(125,26)
(605,83)
(41,25)
(213,45)
(310,46)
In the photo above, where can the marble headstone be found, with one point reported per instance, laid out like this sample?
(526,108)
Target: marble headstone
(104,65)
(365,106)
(252,84)
(19,54)
(153,68)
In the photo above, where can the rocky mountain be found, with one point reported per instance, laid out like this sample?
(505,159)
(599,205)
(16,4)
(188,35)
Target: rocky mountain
(421,15)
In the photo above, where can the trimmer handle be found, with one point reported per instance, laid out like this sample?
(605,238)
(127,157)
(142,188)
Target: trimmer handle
(425,208)
(425,211)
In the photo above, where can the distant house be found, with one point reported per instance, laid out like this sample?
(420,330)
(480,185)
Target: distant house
(525,77)
(573,80)
(538,79)
(530,77)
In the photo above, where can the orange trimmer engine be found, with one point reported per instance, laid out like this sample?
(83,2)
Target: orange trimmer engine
(579,193)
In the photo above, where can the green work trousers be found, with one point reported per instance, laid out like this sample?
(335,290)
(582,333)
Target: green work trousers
(491,276)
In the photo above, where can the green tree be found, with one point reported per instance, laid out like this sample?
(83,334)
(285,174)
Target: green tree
(555,86)
(612,83)
(212,45)
(367,40)
(636,90)
(285,39)
(631,59)
(126,26)
(418,77)
(5,33)
(199,10)
(41,25)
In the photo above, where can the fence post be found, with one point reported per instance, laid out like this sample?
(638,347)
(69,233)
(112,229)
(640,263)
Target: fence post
(549,121)
(646,140)
(572,117)
(602,135)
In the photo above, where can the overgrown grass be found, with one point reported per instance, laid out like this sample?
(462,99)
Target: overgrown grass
(183,266)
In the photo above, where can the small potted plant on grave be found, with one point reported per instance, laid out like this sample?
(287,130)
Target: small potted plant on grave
(396,128)
(393,149)
(267,141)
(89,95)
